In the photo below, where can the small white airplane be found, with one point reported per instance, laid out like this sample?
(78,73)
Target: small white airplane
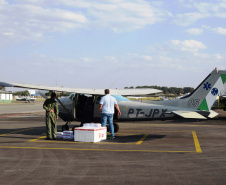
(83,104)
(25,98)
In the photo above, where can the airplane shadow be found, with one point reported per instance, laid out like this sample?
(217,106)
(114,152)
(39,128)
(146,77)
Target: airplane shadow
(133,138)
(211,121)
(36,132)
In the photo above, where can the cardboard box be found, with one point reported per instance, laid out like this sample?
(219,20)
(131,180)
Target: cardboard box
(68,135)
(90,134)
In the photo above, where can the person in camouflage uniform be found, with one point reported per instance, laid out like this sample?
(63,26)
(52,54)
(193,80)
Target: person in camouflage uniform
(51,107)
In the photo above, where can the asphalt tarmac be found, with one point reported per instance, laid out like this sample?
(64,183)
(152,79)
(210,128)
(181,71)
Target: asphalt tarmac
(167,152)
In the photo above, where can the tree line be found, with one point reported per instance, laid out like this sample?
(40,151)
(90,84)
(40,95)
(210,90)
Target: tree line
(21,93)
(26,93)
(2,88)
(166,90)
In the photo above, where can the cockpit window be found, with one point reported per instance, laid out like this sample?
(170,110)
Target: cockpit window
(120,98)
(97,101)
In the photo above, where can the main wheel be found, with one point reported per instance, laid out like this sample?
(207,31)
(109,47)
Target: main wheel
(116,127)
(65,127)
(73,129)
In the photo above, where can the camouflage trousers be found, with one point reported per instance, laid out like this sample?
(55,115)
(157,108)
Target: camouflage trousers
(51,127)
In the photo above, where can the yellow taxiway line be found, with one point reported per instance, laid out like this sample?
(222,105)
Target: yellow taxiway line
(196,141)
(104,150)
(16,131)
(142,139)
(33,140)
(79,142)
(74,142)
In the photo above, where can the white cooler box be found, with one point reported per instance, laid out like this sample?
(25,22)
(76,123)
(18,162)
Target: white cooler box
(90,134)
(92,125)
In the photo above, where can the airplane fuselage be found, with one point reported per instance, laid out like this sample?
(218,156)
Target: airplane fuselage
(130,110)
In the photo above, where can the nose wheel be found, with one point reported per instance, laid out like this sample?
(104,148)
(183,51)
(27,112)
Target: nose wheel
(65,127)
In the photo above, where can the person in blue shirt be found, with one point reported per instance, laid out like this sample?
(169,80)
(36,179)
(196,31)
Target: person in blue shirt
(107,109)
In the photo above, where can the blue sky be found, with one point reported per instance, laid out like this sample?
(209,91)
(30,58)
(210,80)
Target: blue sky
(111,43)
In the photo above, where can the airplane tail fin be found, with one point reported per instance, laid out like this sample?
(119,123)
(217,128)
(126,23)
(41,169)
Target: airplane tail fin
(203,97)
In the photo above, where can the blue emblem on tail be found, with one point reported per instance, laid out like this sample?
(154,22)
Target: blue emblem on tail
(214,91)
(207,86)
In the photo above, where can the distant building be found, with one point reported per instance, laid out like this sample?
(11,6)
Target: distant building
(6,96)
(33,93)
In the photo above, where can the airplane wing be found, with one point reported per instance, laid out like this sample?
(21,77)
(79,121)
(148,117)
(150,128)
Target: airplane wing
(189,114)
(123,92)
(17,98)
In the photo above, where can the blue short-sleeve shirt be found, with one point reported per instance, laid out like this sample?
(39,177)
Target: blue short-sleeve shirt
(108,103)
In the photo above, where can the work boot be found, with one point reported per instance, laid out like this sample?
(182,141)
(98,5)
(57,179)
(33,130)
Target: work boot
(112,137)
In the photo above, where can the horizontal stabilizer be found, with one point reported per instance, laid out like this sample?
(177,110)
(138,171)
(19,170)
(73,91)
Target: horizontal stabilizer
(189,114)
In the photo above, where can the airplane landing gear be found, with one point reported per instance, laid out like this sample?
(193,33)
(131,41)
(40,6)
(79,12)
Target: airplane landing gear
(65,127)
(73,129)
(116,127)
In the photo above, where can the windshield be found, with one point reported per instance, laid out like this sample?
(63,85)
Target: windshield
(72,95)
(120,98)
